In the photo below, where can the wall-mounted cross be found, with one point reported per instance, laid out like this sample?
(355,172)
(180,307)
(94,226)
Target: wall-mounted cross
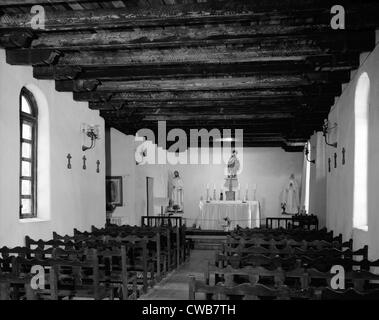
(343,156)
(69,161)
(84,163)
(98,166)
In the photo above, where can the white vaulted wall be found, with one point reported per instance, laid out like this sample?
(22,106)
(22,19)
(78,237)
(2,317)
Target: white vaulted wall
(338,196)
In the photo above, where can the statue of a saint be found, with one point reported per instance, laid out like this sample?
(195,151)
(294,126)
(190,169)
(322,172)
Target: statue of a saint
(290,197)
(177,193)
(233,165)
(231,180)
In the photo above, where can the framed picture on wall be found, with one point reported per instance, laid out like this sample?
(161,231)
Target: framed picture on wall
(114,191)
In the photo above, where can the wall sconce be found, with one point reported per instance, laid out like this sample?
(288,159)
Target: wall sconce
(91,132)
(306,152)
(326,130)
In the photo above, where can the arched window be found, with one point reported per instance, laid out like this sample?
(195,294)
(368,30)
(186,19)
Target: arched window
(28,152)
(361,110)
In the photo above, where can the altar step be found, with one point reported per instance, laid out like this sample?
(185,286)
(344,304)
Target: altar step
(206,242)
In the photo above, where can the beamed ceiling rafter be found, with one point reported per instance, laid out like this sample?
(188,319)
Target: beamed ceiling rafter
(270,67)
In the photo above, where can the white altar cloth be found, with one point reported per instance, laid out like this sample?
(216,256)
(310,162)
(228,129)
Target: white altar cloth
(245,214)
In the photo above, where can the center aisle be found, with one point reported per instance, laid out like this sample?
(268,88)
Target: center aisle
(175,286)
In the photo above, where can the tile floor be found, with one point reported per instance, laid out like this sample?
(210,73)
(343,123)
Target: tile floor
(175,285)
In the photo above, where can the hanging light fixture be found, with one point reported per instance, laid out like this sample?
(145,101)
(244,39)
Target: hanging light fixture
(91,132)
(306,152)
(326,128)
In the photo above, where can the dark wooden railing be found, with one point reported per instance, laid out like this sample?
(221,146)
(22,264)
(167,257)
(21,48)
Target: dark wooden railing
(160,221)
(296,221)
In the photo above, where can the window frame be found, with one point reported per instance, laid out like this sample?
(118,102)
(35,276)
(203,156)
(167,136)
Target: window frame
(31,120)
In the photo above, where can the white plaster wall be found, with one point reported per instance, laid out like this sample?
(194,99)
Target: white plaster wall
(122,163)
(340,182)
(77,196)
(317,181)
(268,168)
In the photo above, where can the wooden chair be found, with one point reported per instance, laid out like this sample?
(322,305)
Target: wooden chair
(349,294)
(246,291)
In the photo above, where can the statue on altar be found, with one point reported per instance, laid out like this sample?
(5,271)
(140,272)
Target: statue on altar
(177,193)
(231,181)
(290,197)
(233,165)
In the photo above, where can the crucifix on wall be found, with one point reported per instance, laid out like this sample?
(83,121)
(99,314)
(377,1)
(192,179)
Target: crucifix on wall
(84,163)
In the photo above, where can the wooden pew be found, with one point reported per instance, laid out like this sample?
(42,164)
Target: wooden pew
(349,294)
(68,278)
(246,291)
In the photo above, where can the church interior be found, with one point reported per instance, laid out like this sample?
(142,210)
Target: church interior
(189,149)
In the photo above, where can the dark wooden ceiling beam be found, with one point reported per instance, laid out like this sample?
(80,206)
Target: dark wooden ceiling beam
(149,96)
(171,36)
(220,117)
(279,103)
(181,71)
(210,83)
(260,125)
(294,49)
(32,57)
(227,83)
(16,39)
(282,51)
(246,113)
(257,4)
(207,12)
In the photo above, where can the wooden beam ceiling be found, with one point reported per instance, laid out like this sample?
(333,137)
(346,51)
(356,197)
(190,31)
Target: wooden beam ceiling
(270,67)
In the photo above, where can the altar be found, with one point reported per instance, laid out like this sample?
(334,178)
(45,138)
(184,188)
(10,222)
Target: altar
(245,214)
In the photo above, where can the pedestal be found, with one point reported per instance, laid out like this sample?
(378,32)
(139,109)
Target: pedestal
(231,183)
(230,195)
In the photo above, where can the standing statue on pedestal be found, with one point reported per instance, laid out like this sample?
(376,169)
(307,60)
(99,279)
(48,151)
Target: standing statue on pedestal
(177,193)
(231,181)
(233,165)
(290,197)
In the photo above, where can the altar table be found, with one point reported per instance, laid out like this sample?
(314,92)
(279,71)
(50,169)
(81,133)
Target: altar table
(245,214)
